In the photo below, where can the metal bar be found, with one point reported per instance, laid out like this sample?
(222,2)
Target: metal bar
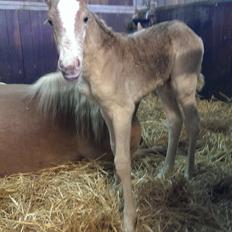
(17,5)
(112,9)
(40,6)
(135,4)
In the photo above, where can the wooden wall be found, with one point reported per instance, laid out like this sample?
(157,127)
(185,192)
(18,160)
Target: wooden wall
(112,2)
(27,48)
(211,20)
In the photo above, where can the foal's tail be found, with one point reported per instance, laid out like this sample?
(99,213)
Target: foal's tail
(200,82)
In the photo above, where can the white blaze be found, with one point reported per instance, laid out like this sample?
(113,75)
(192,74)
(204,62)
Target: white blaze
(70,46)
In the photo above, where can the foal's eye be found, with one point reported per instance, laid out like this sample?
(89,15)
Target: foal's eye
(50,22)
(85,19)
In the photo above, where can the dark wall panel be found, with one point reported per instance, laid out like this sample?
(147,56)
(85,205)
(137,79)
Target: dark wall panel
(27,48)
(112,2)
(38,46)
(11,56)
(117,21)
(5,71)
(211,20)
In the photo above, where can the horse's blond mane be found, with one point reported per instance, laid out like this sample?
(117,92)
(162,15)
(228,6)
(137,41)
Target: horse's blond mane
(55,97)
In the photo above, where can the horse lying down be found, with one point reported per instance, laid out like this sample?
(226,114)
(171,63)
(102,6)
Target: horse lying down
(50,123)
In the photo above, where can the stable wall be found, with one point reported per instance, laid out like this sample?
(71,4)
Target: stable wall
(212,21)
(27,49)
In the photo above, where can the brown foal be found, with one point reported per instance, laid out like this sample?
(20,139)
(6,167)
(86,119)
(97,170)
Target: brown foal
(116,71)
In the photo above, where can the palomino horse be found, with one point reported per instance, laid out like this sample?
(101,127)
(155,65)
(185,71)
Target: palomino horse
(50,123)
(118,70)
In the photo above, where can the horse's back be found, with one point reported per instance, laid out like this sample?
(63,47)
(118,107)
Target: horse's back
(29,140)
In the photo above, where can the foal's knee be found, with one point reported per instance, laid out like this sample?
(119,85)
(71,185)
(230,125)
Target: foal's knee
(175,123)
(122,167)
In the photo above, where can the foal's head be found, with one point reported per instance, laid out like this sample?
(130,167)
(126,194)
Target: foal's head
(69,19)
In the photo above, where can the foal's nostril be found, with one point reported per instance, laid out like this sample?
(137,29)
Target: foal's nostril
(61,66)
(77,63)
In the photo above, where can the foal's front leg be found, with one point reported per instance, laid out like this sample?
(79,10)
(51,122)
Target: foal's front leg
(121,121)
(109,124)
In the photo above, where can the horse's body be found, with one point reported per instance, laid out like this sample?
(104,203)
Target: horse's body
(118,70)
(32,140)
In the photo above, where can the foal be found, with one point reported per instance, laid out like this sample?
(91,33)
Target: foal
(118,70)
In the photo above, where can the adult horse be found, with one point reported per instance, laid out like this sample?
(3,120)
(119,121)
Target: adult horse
(118,70)
(50,123)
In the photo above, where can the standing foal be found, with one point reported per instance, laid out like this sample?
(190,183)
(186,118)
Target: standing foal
(118,70)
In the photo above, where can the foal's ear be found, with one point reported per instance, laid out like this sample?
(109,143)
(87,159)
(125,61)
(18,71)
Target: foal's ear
(84,2)
(48,2)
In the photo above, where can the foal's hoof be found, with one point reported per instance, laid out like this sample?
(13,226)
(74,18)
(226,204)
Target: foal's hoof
(130,221)
(189,175)
(164,174)
(161,176)
(130,227)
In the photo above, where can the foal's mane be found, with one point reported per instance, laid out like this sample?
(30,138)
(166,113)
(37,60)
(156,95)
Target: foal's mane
(56,97)
(101,23)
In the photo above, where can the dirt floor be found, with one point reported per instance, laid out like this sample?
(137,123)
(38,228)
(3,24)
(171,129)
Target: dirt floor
(85,196)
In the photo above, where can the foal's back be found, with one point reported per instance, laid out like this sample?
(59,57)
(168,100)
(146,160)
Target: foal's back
(162,43)
(150,56)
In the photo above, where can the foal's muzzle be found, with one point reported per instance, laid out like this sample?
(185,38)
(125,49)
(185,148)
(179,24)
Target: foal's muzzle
(71,71)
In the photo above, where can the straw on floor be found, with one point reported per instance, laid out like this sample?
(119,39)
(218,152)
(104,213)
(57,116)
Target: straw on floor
(85,197)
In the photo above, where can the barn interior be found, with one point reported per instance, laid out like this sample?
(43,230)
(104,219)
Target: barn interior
(83,195)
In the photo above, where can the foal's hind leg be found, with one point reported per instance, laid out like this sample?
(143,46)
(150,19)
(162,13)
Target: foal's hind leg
(174,119)
(185,86)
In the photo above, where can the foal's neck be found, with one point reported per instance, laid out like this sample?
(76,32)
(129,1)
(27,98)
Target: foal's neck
(99,37)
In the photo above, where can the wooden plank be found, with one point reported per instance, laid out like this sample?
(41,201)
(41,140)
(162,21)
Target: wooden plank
(117,21)
(36,45)
(50,56)
(22,5)
(43,42)
(100,2)
(213,24)
(121,2)
(39,51)
(5,71)
(27,44)
(15,56)
(41,6)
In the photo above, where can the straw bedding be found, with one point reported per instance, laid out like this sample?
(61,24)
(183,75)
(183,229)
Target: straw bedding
(85,196)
